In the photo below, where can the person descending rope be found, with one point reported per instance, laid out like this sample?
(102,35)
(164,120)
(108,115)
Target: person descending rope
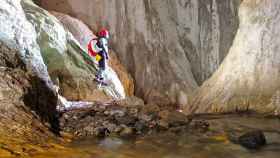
(98,48)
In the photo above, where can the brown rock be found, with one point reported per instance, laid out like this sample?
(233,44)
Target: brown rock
(127,132)
(173,117)
(25,101)
(150,108)
(124,76)
(131,102)
(163,124)
(164,114)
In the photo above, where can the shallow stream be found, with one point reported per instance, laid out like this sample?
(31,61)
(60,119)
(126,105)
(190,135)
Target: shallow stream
(213,144)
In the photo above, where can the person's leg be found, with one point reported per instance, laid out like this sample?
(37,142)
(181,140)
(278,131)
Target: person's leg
(98,74)
(101,74)
(101,67)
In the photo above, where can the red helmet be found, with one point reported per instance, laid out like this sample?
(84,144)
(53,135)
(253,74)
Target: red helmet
(103,33)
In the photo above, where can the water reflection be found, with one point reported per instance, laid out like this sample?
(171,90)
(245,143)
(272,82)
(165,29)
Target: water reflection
(194,145)
(167,146)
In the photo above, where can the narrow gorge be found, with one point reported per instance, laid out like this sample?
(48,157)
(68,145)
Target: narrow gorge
(185,78)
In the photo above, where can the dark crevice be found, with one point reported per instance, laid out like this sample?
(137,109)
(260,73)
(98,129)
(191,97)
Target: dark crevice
(42,100)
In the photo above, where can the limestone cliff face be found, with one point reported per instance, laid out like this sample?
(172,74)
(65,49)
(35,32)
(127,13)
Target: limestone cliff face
(68,63)
(83,34)
(33,46)
(27,97)
(168,46)
(249,77)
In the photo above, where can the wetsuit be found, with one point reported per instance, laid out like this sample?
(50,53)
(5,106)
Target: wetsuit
(103,45)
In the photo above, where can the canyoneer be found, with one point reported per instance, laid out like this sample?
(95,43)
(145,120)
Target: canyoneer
(98,48)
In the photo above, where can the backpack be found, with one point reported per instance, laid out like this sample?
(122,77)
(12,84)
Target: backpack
(93,47)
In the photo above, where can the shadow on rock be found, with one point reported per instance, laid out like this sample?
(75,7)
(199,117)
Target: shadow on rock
(43,100)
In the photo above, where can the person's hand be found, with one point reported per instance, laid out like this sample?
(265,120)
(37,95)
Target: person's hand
(56,88)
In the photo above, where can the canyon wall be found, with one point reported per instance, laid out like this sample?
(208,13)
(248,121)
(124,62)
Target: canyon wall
(69,65)
(169,46)
(249,77)
(27,97)
(83,35)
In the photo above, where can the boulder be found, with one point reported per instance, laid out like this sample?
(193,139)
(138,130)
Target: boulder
(252,140)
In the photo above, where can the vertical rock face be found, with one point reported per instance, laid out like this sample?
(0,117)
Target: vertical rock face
(79,30)
(20,93)
(83,34)
(125,77)
(24,82)
(68,63)
(18,33)
(215,28)
(27,97)
(250,74)
(168,46)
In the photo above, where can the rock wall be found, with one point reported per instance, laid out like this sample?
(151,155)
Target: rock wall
(249,77)
(68,63)
(167,46)
(83,34)
(27,98)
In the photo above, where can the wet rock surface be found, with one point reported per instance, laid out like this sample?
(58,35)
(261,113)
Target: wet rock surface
(102,120)
(211,136)
(248,130)
(252,140)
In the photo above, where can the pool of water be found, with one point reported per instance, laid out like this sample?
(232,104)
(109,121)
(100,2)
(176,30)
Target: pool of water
(215,143)
(194,145)
(172,146)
